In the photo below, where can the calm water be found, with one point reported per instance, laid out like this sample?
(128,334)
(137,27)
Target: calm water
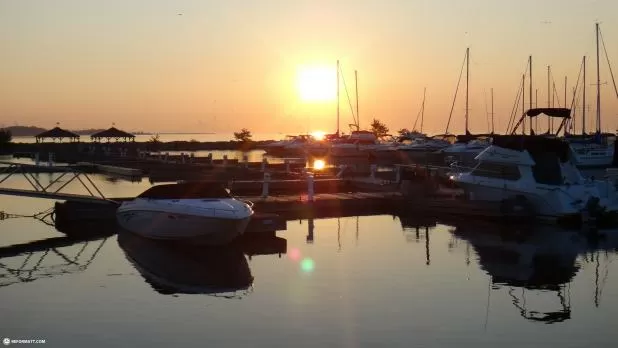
(354,281)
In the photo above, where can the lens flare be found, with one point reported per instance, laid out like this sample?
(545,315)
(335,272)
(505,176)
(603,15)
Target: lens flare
(307,265)
(294,254)
(319,164)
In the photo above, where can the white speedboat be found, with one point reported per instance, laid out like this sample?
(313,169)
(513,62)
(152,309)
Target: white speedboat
(204,212)
(535,173)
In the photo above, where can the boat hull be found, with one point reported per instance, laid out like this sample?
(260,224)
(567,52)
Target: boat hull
(177,226)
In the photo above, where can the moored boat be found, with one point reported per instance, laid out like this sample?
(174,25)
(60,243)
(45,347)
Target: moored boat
(199,211)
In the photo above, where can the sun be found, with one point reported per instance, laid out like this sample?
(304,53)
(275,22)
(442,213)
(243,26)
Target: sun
(317,83)
(318,135)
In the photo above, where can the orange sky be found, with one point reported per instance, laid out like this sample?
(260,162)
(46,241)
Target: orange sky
(222,66)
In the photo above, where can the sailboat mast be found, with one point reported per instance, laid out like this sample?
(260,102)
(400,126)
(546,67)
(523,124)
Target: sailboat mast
(548,97)
(492,111)
(523,102)
(598,84)
(584,101)
(467,83)
(530,73)
(337,97)
(357,114)
(423,109)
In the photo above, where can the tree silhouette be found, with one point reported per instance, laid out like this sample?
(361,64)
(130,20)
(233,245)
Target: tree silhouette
(378,128)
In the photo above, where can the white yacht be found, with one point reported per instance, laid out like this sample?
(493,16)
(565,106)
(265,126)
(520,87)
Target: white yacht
(358,143)
(534,172)
(464,152)
(423,150)
(204,212)
(592,151)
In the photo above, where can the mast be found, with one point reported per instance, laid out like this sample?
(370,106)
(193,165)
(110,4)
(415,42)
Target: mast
(357,115)
(548,97)
(492,111)
(337,97)
(530,89)
(423,109)
(584,102)
(523,102)
(467,84)
(565,85)
(598,83)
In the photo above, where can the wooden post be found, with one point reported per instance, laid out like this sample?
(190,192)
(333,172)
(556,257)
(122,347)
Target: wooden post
(50,159)
(264,164)
(397,173)
(373,170)
(310,188)
(36,158)
(287,166)
(265,185)
(225,160)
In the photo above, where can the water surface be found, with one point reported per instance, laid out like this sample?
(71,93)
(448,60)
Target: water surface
(353,281)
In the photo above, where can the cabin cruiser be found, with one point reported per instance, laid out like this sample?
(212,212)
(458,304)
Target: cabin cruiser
(592,150)
(355,145)
(205,212)
(465,150)
(423,150)
(534,173)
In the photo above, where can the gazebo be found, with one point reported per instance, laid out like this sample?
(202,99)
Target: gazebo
(112,133)
(57,133)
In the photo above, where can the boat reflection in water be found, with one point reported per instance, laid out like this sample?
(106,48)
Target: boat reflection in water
(543,261)
(179,268)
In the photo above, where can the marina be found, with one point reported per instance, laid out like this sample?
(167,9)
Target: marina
(265,175)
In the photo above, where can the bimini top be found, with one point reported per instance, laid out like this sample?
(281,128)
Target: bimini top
(534,145)
(551,112)
(186,190)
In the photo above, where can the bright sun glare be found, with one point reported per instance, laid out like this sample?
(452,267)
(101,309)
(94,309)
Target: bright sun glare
(319,164)
(318,135)
(317,83)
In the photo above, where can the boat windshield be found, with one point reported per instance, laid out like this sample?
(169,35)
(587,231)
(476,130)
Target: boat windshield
(189,190)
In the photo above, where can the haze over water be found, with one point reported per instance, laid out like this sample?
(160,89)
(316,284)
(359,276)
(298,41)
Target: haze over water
(366,281)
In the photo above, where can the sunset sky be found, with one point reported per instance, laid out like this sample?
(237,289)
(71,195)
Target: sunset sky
(218,66)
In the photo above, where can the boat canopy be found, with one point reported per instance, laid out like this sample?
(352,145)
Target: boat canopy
(535,145)
(186,190)
(551,112)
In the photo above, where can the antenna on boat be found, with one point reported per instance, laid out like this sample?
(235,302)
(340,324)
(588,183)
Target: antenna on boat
(530,91)
(598,82)
(523,102)
(492,111)
(357,115)
(423,109)
(337,97)
(584,101)
(548,97)
(467,84)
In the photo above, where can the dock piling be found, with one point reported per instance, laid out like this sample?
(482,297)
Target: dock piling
(287,166)
(310,188)
(264,164)
(397,173)
(265,185)
(373,170)
(50,160)
(36,158)
(225,160)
